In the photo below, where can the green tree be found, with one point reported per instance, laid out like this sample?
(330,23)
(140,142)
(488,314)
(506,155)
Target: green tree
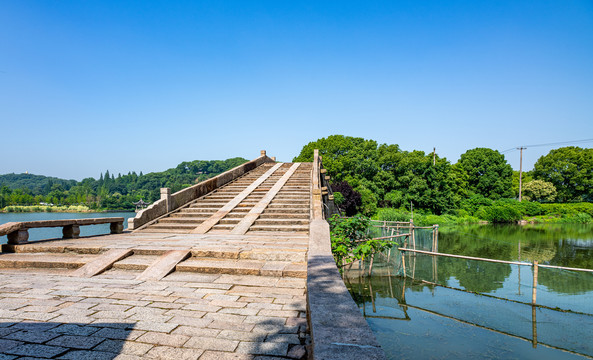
(539,190)
(344,157)
(487,173)
(570,170)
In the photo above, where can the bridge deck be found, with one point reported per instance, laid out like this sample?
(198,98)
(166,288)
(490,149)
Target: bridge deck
(232,288)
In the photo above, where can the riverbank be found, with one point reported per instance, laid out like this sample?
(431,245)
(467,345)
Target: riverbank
(501,211)
(48,208)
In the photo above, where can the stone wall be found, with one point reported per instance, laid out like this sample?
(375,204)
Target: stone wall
(172,202)
(338,329)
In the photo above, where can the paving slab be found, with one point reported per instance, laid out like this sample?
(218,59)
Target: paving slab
(163,295)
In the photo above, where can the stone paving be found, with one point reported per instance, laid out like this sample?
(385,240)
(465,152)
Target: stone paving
(234,297)
(44,313)
(233,290)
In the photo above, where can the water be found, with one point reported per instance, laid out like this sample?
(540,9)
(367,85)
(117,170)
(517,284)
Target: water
(52,233)
(456,308)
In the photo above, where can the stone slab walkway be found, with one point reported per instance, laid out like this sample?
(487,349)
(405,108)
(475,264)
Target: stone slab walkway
(51,313)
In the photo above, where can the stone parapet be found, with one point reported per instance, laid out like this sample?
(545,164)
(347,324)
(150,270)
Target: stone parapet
(169,202)
(338,329)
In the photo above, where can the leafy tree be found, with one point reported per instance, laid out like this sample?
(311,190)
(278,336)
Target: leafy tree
(351,199)
(487,173)
(570,170)
(539,190)
(344,157)
(385,175)
(526,177)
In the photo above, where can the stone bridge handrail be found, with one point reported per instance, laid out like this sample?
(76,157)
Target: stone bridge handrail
(18,232)
(338,329)
(169,202)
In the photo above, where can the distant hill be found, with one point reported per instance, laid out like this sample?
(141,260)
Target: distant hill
(109,191)
(37,184)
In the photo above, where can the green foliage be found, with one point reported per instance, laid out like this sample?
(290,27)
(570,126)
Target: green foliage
(475,202)
(569,170)
(539,190)
(568,209)
(109,192)
(578,218)
(526,177)
(369,201)
(487,173)
(390,214)
(394,177)
(338,198)
(350,239)
(499,213)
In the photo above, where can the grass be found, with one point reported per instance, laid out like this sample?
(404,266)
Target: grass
(45,208)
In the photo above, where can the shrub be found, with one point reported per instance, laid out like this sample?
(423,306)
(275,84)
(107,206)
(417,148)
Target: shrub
(579,218)
(390,214)
(350,239)
(352,199)
(474,203)
(499,213)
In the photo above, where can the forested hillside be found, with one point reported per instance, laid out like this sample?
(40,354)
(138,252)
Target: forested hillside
(370,176)
(110,191)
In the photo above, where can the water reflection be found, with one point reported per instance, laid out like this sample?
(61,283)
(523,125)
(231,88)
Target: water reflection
(420,320)
(555,244)
(467,308)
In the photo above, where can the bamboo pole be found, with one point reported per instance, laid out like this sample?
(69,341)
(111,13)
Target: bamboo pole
(386,237)
(371,265)
(372,296)
(534,326)
(437,240)
(534,292)
(404,263)
(464,257)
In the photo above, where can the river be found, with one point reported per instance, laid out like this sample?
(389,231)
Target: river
(52,233)
(465,309)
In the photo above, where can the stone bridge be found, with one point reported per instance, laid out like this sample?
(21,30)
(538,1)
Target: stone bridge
(235,267)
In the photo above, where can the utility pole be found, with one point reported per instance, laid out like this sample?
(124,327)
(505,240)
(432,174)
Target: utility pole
(434,156)
(521,172)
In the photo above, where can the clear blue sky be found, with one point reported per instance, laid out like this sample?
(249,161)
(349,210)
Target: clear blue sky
(87,86)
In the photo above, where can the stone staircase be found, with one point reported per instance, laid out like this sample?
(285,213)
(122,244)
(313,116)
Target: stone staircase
(246,255)
(275,196)
(288,210)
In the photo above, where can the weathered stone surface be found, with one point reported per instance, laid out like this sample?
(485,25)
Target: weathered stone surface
(71,231)
(102,263)
(164,265)
(331,307)
(253,311)
(20,236)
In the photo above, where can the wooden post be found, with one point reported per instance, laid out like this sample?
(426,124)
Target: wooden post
(371,265)
(534,326)
(437,240)
(404,263)
(534,292)
(372,296)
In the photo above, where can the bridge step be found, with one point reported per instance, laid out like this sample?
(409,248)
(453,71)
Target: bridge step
(285,215)
(244,267)
(219,212)
(281,222)
(44,260)
(284,228)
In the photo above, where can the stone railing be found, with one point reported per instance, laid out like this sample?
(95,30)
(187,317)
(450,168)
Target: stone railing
(338,329)
(170,202)
(18,232)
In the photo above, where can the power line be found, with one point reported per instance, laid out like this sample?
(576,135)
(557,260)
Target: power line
(548,144)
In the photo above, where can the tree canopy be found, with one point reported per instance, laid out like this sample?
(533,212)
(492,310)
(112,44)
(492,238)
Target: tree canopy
(570,170)
(486,172)
(109,192)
